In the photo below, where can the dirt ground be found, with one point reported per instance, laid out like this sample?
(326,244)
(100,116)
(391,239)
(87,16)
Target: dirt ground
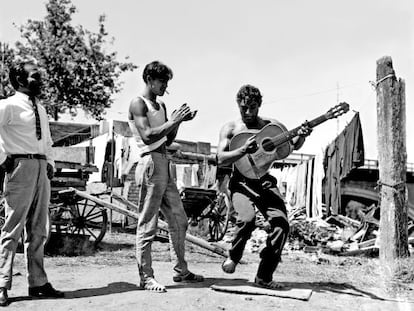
(108,279)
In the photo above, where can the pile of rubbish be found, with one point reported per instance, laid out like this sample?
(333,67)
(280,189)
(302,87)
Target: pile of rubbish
(336,234)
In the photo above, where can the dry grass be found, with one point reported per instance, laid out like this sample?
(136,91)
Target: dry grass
(404,270)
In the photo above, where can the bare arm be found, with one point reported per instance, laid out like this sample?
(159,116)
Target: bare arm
(300,140)
(170,136)
(224,155)
(303,132)
(138,113)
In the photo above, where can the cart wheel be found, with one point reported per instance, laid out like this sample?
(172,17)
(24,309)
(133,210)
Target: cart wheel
(219,217)
(411,230)
(80,217)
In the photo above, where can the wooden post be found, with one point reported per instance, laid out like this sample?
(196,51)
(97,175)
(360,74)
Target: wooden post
(392,156)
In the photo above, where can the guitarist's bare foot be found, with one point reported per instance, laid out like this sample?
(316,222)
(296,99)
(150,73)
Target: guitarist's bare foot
(229,266)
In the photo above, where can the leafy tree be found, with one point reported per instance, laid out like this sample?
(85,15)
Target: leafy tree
(6,58)
(79,72)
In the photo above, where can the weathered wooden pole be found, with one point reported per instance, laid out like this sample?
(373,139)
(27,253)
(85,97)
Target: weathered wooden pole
(392,156)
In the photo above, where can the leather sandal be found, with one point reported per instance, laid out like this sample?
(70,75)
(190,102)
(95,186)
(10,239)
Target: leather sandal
(188,277)
(269,285)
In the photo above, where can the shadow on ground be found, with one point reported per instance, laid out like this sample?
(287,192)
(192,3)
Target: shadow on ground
(112,288)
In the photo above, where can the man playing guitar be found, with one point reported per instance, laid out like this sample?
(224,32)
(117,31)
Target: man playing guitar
(247,193)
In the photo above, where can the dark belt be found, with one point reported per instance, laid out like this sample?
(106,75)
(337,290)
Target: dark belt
(28,156)
(149,152)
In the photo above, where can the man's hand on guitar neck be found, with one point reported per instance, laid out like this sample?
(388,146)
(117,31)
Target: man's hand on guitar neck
(305,130)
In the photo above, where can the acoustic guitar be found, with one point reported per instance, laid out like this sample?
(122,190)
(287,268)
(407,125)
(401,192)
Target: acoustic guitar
(273,143)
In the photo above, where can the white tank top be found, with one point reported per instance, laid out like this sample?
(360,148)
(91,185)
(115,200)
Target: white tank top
(155,118)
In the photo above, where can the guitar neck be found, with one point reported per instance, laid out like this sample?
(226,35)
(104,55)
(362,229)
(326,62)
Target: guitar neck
(285,137)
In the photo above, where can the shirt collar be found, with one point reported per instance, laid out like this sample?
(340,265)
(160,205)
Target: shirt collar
(22,95)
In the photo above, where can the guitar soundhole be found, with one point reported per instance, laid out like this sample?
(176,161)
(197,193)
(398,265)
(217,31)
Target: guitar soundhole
(268,145)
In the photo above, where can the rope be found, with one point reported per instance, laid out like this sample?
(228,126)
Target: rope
(375,84)
(396,187)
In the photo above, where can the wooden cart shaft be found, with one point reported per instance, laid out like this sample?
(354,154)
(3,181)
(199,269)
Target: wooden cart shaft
(161,224)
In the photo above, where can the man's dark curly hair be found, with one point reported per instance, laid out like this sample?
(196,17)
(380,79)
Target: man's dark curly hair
(157,70)
(17,70)
(249,93)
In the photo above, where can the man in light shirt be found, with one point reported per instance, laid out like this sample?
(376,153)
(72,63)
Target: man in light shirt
(25,155)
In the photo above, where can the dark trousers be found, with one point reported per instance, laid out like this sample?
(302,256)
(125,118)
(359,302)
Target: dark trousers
(245,196)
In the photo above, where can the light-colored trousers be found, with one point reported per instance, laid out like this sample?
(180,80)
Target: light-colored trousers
(158,191)
(27,195)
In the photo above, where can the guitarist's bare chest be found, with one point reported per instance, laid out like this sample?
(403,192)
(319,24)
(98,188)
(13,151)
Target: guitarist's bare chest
(242,127)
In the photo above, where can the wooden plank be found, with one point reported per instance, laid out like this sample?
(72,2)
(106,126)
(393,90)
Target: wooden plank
(71,154)
(350,221)
(71,174)
(58,189)
(73,178)
(179,156)
(186,146)
(251,289)
(203,148)
(368,251)
(67,184)
(75,166)
(367,243)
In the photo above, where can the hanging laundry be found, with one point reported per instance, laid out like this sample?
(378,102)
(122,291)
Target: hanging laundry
(301,179)
(345,153)
(99,144)
(318,175)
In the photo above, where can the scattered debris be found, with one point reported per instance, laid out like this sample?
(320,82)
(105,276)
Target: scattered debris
(335,235)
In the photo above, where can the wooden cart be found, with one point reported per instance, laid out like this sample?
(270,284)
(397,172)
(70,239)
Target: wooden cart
(97,205)
(70,214)
(210,204)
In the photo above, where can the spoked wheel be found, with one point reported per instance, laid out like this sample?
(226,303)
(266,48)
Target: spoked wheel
(219,217)
(80,217)
(411,230)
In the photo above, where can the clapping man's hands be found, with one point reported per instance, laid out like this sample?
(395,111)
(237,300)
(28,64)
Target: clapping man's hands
(183,114)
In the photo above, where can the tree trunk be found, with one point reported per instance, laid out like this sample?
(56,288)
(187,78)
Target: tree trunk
(55,114)
(392,156)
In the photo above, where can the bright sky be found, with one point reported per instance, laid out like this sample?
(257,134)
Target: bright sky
(305,56)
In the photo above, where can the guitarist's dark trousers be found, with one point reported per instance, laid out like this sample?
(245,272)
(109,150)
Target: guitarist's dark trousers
(246,194)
